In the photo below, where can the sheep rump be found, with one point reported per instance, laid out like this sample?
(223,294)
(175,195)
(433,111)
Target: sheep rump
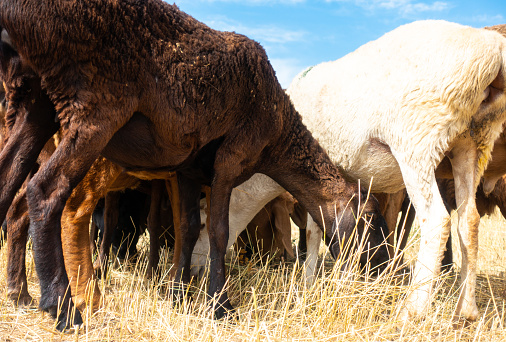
(386,114)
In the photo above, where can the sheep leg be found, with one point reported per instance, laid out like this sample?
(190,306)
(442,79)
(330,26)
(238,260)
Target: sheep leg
(75,231)
(313,240)
(93,236)
(218,239)
(45,228)
(435,228)
(408,214)
(189,194)
(17,228)
(3,234)
(447,262)
(283,228)
(110,223)
(207,191)
(47,194)
(467,177)
(407,218)
(77,255)
(499,194)
(154,227)
(299,217)
(391,205)
(27,139)
(173,191)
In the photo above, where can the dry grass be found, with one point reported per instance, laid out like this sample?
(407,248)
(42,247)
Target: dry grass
(273,304)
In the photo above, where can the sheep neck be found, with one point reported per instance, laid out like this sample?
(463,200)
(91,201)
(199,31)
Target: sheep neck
(304,169)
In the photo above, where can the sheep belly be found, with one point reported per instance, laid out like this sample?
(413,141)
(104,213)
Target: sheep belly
(138,141)
(376,162)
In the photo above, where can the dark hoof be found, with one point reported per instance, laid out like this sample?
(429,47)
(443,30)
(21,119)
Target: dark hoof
(183,304)
(225,310)
(65,322)
(459,323)
(153,274)
(66,315)
(403,271)
(447,269)
(180,295)
(21,299)
(98,273)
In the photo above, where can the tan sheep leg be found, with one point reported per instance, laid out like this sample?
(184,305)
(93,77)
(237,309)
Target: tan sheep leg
(467,176)
(75,232)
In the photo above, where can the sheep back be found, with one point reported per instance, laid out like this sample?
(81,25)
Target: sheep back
(149,55)
(411,92)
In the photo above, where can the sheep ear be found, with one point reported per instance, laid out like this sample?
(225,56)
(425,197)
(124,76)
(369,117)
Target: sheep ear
(489,183)
(495,89)
(6,38)
(283,228)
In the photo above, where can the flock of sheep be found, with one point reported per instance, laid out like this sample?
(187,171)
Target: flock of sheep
(102,94)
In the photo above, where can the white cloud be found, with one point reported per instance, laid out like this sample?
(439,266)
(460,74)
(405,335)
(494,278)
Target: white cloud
(488,20)
(286,69)
(264,34)
(404,7)
(421,7)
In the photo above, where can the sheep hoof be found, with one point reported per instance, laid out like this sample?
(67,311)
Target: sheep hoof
(459,322)
(181,296)
(470,312)
(225,310)
(20,299)
(100,269)
(65,323)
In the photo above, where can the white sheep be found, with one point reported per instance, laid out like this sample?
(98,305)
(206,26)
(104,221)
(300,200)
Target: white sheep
(391,109)
(385,132)
(245,202)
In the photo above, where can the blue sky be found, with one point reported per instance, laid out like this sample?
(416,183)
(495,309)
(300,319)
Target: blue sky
(300,33)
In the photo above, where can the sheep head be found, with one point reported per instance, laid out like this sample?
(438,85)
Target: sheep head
(359,224)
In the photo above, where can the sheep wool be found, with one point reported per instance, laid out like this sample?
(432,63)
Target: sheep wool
(388,112)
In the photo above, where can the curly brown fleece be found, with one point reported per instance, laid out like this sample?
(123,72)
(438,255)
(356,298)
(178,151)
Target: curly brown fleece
(154,90)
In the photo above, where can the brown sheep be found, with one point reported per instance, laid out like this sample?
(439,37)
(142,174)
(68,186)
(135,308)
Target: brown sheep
(102,177)
(154,90)
(269,233)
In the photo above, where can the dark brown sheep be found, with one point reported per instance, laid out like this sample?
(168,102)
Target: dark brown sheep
(102,177)
(29,123)
(154,90)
